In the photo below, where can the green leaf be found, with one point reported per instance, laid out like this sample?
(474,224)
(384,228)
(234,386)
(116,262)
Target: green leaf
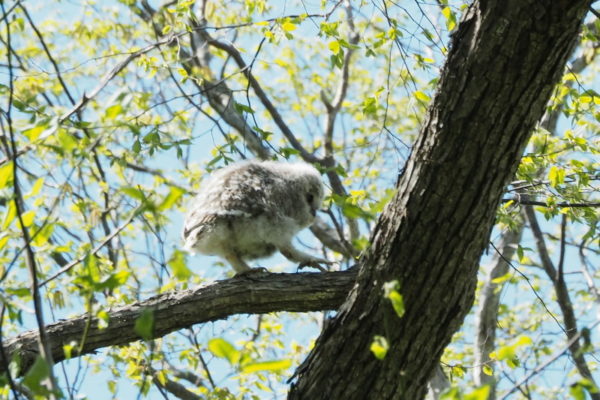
(38,372)
(19,291)
(37,186)
(274,365)
(28,218)
(397,303)
(3,240)
(450,18)
(379,347)
(137,146)
(144,324)
(6,174)
(175,194)
(501,279)
(243,108)
(113,111)
(520,253)
(579,388)
(288,26)
(369,106)
(115,280)
(481,393)
(11,213)
(178,266)
(556,176)
(488,370)
(41,236)
(421,96)
(68,350)
(67,141)
(33,133)
(391,292)
(223,349)
(334,46)
(134,193)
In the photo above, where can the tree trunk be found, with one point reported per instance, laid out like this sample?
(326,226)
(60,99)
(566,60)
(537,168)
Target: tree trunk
(503,64)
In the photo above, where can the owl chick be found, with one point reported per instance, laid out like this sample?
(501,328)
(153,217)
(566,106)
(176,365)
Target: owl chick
(251,209)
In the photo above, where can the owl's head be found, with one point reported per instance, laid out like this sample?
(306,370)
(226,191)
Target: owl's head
(306,191)
(314,193)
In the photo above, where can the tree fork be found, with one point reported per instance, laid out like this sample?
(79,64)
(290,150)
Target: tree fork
(505,59)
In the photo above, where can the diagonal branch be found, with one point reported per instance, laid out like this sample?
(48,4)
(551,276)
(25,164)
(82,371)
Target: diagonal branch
(260,93)
(562,298)
(253,294)
(234,53)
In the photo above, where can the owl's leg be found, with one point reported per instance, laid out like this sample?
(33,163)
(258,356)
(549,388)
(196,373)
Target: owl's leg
(293,254)
(237,263)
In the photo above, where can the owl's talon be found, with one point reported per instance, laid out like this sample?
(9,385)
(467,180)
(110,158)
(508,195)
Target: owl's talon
(252,272)
(313,264)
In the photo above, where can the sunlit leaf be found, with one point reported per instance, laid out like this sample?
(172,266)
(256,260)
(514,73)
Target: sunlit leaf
(6,174)
(222,348)
(113,111)
(334,46)
(488,370)
(33,133)
(391,292)
(379,347)
(481,393)
(288,26)
(421,96)
(10,215)
(556,176)
(178,265)
(37,374)
(175,194)
(28,218)
(275,365)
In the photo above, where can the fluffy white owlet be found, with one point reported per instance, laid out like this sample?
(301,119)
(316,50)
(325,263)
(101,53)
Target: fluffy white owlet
(251,209)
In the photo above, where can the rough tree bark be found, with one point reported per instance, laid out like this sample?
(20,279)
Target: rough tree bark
(504,61)
(255,294)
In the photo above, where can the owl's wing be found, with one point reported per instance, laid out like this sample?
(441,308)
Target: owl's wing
(196,222)
(246,191)
(242,192)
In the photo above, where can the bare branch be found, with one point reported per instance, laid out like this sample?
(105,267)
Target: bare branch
(563,299)
(41,340)
(112,73)
(96,249)
(489,300)
(545,365)
(175,388)
(277,118)
(528,202)
(252,294)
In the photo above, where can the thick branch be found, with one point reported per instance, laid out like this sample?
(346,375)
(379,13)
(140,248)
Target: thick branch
(257,293)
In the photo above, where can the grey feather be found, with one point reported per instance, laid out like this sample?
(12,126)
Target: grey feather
(251,209)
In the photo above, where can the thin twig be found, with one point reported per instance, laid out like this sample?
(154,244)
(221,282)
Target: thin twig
(543,366)
(19,208)
(96,249)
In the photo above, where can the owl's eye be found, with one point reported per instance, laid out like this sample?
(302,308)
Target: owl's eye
(310,198)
